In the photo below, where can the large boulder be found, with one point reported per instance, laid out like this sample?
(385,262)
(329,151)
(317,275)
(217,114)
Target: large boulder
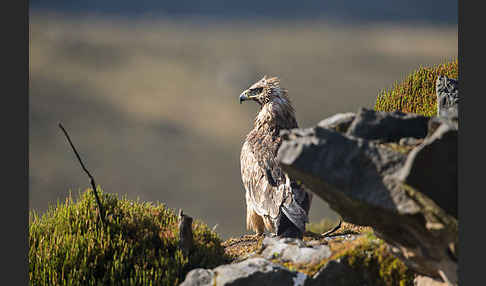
(368,181)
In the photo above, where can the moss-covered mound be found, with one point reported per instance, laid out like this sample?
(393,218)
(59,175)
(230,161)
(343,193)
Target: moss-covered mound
(372,257)
(138,245)
(417,93)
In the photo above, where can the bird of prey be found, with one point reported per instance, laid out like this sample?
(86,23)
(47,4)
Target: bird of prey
(274,201)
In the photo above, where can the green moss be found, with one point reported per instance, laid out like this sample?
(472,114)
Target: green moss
(240,248)
(417,93)
(137,246)
(372,257)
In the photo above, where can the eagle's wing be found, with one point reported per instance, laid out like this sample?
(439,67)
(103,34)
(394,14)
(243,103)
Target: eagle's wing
(266,199)
(269,188)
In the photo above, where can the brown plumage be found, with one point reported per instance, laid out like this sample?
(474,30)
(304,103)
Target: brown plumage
(274,201)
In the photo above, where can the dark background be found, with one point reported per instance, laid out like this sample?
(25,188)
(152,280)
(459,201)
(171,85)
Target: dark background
(148,90)
(354,10)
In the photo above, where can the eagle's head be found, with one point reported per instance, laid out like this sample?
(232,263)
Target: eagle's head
(265,91)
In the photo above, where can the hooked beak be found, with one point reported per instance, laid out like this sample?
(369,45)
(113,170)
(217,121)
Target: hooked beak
(244,96)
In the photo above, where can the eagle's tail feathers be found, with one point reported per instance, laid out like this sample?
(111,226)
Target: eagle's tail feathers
(286,228)
(296,214)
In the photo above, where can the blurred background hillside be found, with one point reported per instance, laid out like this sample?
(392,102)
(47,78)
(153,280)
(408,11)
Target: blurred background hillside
(148,90)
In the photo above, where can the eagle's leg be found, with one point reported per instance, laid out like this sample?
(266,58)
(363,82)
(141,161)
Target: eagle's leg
(254,222)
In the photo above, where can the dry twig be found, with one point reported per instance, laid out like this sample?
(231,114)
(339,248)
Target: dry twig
(334,229)
(91,179)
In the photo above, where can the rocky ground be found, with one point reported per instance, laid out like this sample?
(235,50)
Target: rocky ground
(333,259)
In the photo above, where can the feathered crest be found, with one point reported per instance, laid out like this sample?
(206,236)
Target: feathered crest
(274,88)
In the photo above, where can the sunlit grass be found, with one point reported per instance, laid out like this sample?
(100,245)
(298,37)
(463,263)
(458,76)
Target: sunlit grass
(417,93)
(137,246)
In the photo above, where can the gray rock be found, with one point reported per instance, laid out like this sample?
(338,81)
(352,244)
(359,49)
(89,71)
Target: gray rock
(447,94)
(360,180)
(293,250)
(350,167)
(339,122)
(387,126)
(254,271)
(261,271)
(431,168)
(199,277)
(337,274)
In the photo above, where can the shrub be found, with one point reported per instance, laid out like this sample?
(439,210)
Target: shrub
(417,93)
(137,246)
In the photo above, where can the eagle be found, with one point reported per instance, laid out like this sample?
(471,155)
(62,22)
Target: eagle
(274,201)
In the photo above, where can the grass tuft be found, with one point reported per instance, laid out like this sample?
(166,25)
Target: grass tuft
(138,245)
(417,93)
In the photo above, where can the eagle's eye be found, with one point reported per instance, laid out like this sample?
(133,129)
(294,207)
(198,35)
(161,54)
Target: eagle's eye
(257,90)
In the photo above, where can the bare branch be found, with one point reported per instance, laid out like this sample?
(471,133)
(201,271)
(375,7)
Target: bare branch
(91,179)
(334,229)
